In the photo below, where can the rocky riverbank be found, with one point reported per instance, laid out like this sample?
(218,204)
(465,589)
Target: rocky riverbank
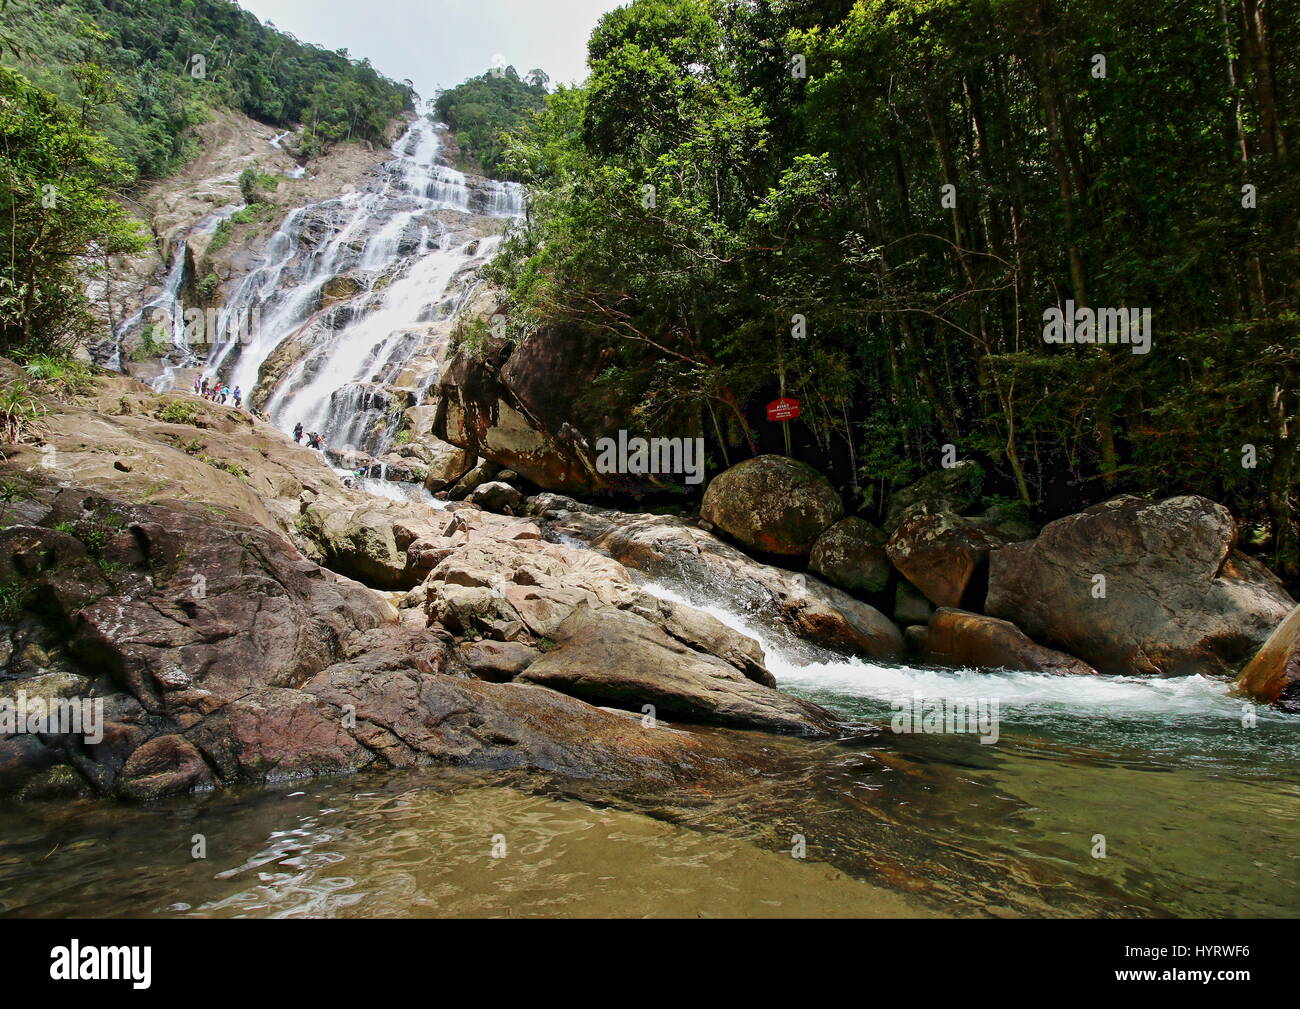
(243,615)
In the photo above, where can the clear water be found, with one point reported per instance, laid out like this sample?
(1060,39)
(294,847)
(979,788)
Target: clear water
(1199,815)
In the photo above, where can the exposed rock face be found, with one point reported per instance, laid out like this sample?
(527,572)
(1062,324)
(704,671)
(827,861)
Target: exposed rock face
(498,661)
(220,655)
(679,551)
(851,554)
(517,406)
(406,715)
(607,656)
(447,464)
(958,638)
(1179,598)
(773,504)
(484,471)
(955,490)
(1273,675)
(187,613)
(944,556)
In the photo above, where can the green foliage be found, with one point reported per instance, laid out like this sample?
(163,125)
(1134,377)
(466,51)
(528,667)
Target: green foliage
(61,377)
(253,184)
(20,412)
(148,46)
(14,596)
(207,287)
(225,465)
(695,196)
(58,217)
(485,108)
(254,213)
(152,344)
(178,411)
(15,489)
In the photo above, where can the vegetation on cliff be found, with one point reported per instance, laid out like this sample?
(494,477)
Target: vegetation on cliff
(57,214)
(172,61)
(870,206)
(485,108)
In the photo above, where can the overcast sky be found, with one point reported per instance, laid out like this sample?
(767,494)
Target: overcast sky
(439,43)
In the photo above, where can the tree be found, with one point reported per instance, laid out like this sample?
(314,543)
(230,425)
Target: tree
(59,217)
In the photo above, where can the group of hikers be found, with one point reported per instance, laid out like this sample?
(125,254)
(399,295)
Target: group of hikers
(217,391)
(313,439)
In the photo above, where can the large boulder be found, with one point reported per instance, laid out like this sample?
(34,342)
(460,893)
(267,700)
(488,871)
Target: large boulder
(773,504)
(944,556)
(519,406)
(506,585)
(1273,675)
(958,638)
(447,464)
(496,496)
(484,471)
(611,657)
(851,554)
(1174,595)
(953,489)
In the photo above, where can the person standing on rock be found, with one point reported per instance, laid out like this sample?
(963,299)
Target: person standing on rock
(204,389)
(297,432)
(238,397)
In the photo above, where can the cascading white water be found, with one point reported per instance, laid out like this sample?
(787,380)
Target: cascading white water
(394,257)
(1121,710)
(166,306)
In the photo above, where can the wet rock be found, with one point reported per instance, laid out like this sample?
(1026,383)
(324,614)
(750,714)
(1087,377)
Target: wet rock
(1273,675)
(165,765)
(917,637)
(851,555)
(339,288)
(611,657)
(276,734)
(680,552)
(1178,597)
(944,556)
(406,715)
(772,504)
(958,638)
(58,783)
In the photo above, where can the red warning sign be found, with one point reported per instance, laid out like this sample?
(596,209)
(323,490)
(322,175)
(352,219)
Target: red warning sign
(783,409)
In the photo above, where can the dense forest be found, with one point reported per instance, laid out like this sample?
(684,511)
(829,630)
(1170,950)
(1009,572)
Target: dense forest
(484,108)
(171,60)
(96,95)
(875,206)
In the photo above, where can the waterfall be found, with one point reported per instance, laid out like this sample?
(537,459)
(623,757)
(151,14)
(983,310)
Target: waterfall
(353,289)
(166,303)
